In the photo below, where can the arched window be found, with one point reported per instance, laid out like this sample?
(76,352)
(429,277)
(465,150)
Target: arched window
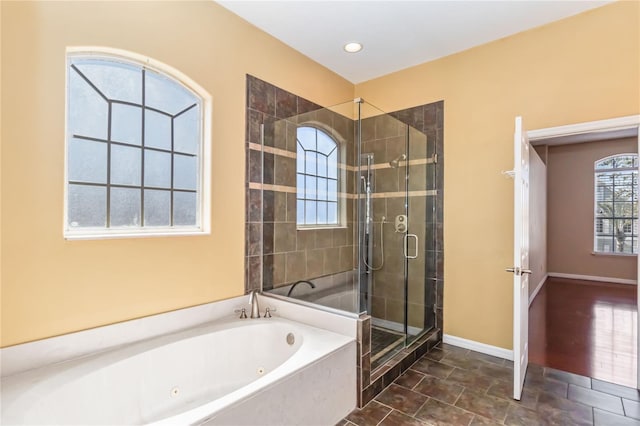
(134,148)
(616,204)
(317,178)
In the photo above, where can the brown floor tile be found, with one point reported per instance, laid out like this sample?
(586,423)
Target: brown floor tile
(433,368)
(504,390)
(409,379)
(499,372)
(439,413)
(522,416)
(571,378)
(344,422)
(396,418)
(484,405)
(401,399)
(435,354)
(470,379)
(487,358)
(631,408)
(447,348)
(605,418)
(370,415)
(596,399)
(548,385)
(482,421)
(613,389)
(460,360)
(439,389)
(559,410)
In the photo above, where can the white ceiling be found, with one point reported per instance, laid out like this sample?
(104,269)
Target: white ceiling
(396,34)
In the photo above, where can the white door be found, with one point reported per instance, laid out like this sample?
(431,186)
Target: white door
(520,267)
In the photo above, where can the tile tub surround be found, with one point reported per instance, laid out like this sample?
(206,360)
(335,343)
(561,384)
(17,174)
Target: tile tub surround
(277,253)
(455,386)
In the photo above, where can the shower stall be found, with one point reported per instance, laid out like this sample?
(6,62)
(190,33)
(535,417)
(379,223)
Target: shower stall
(348,200)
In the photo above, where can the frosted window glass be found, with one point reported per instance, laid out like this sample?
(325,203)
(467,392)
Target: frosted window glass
(300,159)
(126,124)
(311,188)
(310,212)
(322,189)
(325,143)
(157,167)
(332,192)
(300,185)
(332,165)
(125,207)
(307,137)
(186,130)
(322,165)
(185,172)
(322,212)
(87,161)
(88,112)
(87,206)
(165,95)
(300,211)
(118,81)
(125,165)
(310,162)
(184,208)
(157,130)
(332,213)
(157,208)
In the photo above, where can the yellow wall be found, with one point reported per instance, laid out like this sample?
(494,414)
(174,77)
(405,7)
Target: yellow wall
(583,68)
(51,286)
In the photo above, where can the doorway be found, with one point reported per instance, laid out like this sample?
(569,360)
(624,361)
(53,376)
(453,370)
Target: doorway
(566,287)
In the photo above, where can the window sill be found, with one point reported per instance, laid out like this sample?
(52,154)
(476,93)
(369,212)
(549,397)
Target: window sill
(120,234)
(599,253)
(316,228)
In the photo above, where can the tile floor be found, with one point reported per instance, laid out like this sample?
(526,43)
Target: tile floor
(454,386)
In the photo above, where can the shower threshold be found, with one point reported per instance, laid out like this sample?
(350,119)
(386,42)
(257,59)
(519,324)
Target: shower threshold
(384,344)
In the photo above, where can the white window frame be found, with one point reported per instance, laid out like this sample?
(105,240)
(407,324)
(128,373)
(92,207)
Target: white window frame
(203,213)
(598,219)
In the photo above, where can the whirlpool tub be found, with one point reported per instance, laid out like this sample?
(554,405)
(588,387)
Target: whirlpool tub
(230,372)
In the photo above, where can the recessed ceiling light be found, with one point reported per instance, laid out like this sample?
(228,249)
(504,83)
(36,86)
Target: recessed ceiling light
(353,47)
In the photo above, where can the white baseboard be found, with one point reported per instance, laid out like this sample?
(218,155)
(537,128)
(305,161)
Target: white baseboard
(537,289)
(478,347)
(592,278)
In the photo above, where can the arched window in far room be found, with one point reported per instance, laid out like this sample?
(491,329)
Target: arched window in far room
(135,148)
(616,204)
(317,178)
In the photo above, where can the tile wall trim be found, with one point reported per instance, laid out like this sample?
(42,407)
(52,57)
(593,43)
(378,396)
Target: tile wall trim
(293,190)
(478,346)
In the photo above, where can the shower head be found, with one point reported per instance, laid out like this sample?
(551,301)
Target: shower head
(396,161)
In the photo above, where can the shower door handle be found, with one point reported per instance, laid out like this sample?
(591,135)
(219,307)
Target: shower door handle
(406,243)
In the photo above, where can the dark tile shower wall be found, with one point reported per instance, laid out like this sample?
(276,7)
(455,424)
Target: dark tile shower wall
(278,258)
(277,252)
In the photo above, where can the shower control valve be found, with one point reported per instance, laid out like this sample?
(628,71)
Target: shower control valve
(401,223)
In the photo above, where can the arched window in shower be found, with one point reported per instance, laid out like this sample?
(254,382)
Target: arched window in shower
(317,178)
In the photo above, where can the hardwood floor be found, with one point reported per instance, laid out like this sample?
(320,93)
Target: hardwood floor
(586,328)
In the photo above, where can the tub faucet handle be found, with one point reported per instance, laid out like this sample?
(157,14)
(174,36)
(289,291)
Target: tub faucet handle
(242,312)
(267,312)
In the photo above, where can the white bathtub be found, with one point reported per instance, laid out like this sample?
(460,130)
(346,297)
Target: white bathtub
(232,372)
